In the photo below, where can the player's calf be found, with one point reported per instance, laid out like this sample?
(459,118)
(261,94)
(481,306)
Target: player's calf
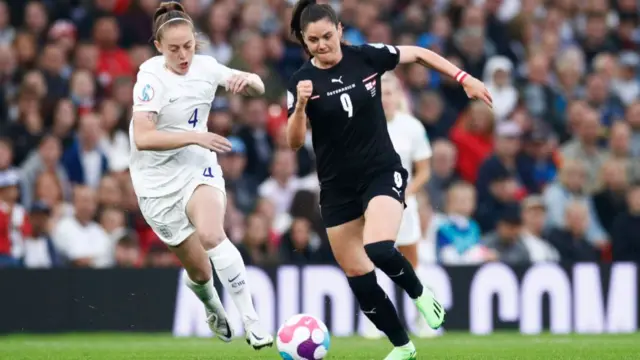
(377,306)
(387,258)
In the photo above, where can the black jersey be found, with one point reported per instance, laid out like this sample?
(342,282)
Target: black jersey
(349,128)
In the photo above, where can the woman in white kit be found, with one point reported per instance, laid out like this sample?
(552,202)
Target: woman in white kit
(174,166)
(410,141)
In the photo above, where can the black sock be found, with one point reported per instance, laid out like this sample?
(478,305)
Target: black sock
(377,306)
(387,258)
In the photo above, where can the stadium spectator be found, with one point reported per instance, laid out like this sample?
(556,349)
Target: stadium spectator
(507,241)
(626,227)
(619,148)
(534,214)
(507,157)
(256,248)
(540,146)
(7,32)
(46,158)
(127,252)
(242,185)
(80,240)
(632,117)
(473,137)
(436,116)
(114,141)
(586,148)
(300,245)
(571,241)
(611,200)
(458,235)
(14,220)
(504,192)
(84,161)
(443,173)
(283,183)
(39,251)
(498,78)
(257,141)
(570,187)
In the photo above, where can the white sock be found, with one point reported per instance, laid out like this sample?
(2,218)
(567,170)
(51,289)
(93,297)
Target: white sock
(230,268)
(205,292)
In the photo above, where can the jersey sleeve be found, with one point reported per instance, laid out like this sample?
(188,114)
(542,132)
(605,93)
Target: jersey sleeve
(421,148)
(220,73)
(148,93)
(382,57)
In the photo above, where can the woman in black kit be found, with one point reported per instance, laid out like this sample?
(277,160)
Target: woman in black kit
(361,176)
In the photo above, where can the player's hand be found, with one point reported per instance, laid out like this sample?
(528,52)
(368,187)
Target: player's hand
(305,88)
(475,89)
(213,142)
(238,82)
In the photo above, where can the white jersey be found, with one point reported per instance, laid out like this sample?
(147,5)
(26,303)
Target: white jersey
(409,139)
(182,103)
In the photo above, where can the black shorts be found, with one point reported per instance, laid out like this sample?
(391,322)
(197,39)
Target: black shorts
(346,202)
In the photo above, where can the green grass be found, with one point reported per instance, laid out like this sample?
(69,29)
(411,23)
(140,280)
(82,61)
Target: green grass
(451,346)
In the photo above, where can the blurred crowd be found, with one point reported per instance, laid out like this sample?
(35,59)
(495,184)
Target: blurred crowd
(552,173)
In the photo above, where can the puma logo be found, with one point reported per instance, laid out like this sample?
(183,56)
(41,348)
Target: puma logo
(338,80)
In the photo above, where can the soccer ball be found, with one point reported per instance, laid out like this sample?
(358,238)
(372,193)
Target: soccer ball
(303,337)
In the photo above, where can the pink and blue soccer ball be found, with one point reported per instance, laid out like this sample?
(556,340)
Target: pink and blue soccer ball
(303,337)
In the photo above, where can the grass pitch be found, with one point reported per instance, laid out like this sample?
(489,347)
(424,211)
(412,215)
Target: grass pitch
(136,346)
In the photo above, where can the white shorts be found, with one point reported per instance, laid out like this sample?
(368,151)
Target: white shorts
(409,232)
(167,215)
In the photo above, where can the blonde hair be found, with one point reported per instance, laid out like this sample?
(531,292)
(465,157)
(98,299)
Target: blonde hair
(403,99)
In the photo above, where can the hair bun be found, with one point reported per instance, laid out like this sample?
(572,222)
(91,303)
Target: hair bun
(166,7)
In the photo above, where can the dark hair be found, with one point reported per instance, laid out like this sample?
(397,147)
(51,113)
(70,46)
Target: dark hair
(168,11)
(307,11)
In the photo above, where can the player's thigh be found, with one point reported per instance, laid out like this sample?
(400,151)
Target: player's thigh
(205,208)
(348,249)
(383,199)
(169,222)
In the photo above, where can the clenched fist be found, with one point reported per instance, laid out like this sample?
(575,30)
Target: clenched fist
(305,88)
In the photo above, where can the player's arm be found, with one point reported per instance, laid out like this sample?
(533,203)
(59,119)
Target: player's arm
(245,83)
(236,81)
(297,124)
(147,137)
(473,87)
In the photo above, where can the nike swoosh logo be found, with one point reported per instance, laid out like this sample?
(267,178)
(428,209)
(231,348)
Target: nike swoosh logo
(256,336)
(234,278)
(173,100)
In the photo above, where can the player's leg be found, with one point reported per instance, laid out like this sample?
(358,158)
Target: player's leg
(173,228)
(205,208)
(344,228)
(198,268)
(384,199)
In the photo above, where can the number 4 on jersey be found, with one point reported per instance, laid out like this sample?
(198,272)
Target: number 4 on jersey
(193,120)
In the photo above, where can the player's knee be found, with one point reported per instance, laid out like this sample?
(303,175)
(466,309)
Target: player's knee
(210,238)
(380,252)
(200,274)
(357,267)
